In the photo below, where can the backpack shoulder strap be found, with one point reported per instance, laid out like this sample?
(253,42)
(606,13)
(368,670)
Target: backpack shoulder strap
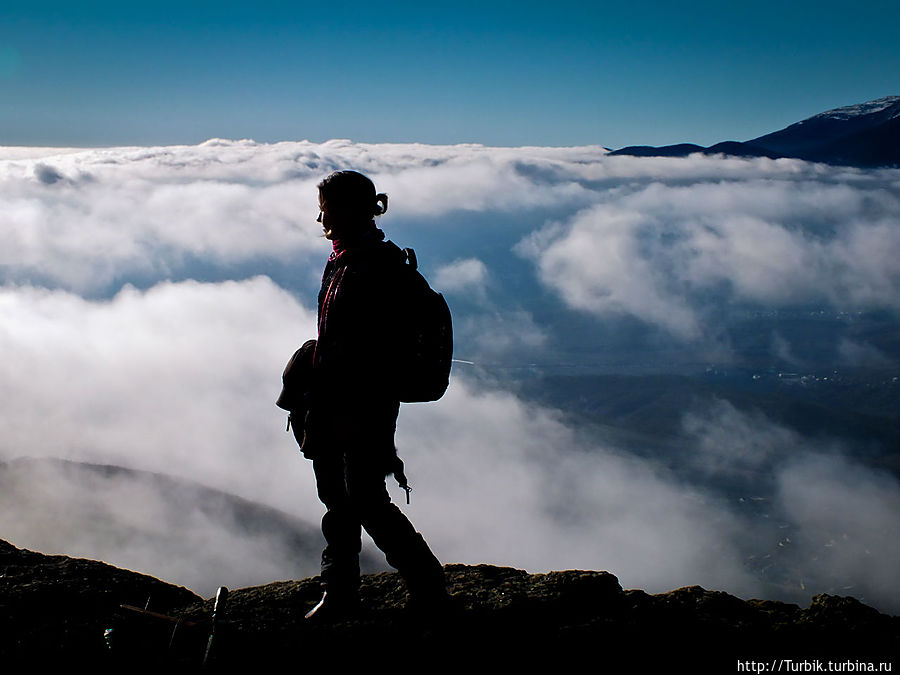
(406,255)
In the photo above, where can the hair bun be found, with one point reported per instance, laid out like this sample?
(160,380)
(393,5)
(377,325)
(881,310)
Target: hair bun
(381,201)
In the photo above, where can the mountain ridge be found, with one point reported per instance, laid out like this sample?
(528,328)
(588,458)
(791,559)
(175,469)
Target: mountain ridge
(169,526)
(863,135)
(61,609)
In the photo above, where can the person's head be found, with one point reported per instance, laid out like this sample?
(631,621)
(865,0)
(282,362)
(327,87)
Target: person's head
(348,203)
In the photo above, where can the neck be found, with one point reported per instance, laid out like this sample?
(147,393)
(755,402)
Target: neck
(364,234)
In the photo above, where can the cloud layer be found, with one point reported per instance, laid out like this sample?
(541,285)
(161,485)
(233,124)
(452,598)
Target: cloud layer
(180,379)
(671,242)
(670,254)
(151,297)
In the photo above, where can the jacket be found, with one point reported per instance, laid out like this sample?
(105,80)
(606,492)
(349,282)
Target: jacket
(352,400)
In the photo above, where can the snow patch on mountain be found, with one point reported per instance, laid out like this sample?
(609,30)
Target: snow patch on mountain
(860,109)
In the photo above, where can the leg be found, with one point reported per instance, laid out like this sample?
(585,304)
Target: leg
(340,527)
(404,548)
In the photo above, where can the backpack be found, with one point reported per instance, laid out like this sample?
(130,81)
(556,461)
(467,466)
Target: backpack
(424,348)
(426,337)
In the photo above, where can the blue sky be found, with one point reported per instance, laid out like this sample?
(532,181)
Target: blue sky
(502,73)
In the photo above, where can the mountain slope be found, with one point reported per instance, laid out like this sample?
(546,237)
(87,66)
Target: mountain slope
(859,134)
(169,527)
(863,135)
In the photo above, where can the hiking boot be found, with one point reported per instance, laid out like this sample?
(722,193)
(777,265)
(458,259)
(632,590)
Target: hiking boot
(335,607)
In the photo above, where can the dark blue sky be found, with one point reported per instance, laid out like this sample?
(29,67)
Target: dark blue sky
(501,73)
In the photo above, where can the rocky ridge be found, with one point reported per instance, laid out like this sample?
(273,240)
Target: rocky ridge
(58,608)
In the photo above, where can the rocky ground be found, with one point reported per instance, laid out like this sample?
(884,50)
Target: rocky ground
(55,608)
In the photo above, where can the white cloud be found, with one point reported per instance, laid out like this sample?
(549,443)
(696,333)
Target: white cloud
(181,379)
(850,516)
(82,219)
(660,239)
(463,276)
(669,253)
(87,234)
(597,265)
(153,525)
(502,482)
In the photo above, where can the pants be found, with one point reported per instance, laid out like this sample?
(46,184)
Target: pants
(351,485)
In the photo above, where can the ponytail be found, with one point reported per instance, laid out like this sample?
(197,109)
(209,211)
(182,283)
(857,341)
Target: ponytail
(381,201)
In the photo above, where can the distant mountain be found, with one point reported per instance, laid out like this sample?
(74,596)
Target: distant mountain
(172,528)
(866,134)
(678,150)
(863,135)
(733,148)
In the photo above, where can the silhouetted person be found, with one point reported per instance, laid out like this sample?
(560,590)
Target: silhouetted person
(349,428)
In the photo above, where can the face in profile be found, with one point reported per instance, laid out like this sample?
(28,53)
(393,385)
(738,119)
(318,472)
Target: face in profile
(326,219)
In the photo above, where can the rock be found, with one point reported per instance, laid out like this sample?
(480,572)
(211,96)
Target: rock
(55,606)
(499,617)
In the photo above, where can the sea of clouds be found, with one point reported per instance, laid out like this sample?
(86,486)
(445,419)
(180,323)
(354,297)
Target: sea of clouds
(151,296)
